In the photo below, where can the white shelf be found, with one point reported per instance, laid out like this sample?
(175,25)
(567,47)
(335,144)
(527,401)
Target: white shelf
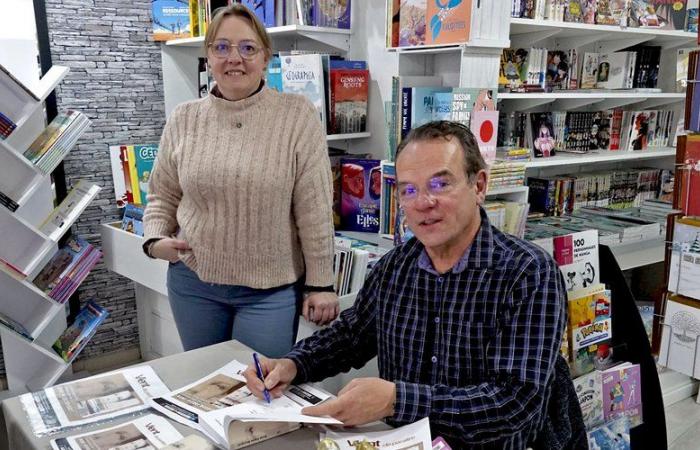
(592,94)
(334,37)
(33,366)
(568,159)
(530,32)
(599,99)
(343,137)
(631,255)
(431,49)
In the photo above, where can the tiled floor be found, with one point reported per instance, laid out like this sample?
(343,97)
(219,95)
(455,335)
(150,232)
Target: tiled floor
(683,425)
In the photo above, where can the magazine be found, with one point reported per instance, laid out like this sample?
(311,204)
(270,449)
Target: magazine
(191,442)
(415,436)
(132,221)
(91,400)
(145,433)
(70,208)
(62,263)
(76,336)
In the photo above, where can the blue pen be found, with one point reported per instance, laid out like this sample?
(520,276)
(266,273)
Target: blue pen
(258,368)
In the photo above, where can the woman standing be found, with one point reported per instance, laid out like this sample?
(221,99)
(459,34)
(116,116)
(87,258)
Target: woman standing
(239,202)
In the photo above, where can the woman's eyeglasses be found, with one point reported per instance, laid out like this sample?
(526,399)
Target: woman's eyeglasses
(223,48)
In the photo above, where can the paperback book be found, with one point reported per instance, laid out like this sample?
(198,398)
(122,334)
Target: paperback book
(77,335)
(145,433)
(679,336)
(622,393)
(69,209)
(589,390)
(132,221)
(361,189)
(303,75)
(171,20)
(91,400)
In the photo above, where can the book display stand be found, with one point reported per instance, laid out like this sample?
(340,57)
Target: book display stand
(30,320)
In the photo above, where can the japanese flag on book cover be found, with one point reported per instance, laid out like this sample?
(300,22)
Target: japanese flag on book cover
(484,126)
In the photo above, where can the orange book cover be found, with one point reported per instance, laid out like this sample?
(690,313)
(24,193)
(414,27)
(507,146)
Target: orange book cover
(448,21)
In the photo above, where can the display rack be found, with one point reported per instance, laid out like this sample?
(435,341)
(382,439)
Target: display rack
(30,362)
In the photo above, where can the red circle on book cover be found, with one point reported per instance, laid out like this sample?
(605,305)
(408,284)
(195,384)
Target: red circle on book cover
(486,131)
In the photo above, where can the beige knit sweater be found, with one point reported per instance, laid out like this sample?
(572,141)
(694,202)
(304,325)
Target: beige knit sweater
(248,183)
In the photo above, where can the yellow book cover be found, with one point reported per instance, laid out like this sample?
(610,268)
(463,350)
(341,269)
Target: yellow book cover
(194,17)
(589,317)
(133,175)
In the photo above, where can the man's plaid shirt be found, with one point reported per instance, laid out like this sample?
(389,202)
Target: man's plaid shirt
(473,349)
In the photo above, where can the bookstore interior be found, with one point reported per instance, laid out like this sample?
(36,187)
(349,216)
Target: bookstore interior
(586,121)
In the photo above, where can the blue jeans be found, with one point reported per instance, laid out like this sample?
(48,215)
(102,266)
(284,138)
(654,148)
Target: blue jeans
(263,319)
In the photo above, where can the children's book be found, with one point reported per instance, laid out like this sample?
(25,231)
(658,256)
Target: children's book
(303,75)
(589,390)
(132,221)
(145,156)
(622,393)
(614,435)
(62,263)
(589,316)
(77,335)
(412,23)
(171,20)
(361,187)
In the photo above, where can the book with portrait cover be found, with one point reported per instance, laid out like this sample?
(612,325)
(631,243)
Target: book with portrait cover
(360,196)
(76,336)
(542,134)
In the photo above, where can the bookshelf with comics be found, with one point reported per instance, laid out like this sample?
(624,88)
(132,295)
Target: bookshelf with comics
(40,265)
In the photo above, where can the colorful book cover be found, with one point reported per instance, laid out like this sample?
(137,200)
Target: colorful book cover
(643,14)
(77,335)
(692,17)
(542,134)
(574,10)
(145,156)
(349,97)
(423,104)
(62,263)
(557,75)
(412,25)
(577,257)
(589,390)
(589,317)
(612,12)
(118,179)
(264,9)
(614,435)
(640,129)
(622,393)
(49,136)
(303,75)
(484,126)
(331,13)
(132,221)
(171,20)
(449,22)
(361,187)
(671,13)
(592,357)
(442,106)
(133,175)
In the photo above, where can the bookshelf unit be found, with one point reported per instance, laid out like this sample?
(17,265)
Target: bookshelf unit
(30,361)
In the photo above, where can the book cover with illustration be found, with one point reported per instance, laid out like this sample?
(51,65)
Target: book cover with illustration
(542,128)
(361,188)
(589,390)
(557,75)
(679,335)
(303,75)
(613,435)
(448,22)
(612,12)
(574,11)
(77,335)
(643,14)
(423,104)
(171,20)
(671,13)
(264,9)
(622,393)
(577,257)
(331,13)
(349,95)
(484,126)
(132,221)
(442,106)
(145,156)
(412,17)
(62,263)
(273,75)
(589,316)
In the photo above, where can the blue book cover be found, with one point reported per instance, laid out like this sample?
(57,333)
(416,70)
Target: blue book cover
(171,20)
(331,13)
(132,221)
(273,76)
(423,104)
(442,106)
(76,336)
(360,195)
(264,9)
(345,64)
(145,157)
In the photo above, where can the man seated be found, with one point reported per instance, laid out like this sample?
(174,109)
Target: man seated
(465,320)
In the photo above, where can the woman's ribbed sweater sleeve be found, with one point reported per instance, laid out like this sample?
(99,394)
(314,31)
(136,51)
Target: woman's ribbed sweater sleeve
(164,191)
(313,198)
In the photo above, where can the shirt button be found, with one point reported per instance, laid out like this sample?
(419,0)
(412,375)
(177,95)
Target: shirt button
(434,359)
(437,320)
(239,125)
(440,280)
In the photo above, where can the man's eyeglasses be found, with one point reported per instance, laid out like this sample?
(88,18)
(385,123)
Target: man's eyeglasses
(436,187)
(223,48)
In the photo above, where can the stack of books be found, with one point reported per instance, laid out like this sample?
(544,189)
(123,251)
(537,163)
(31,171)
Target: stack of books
(52,145)
(62,275)
(6,126)
(504,174)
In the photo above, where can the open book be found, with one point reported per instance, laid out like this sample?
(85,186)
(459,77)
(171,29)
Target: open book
(221,406)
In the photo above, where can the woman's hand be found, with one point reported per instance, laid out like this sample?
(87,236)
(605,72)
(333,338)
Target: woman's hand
(321,308)
(167,249)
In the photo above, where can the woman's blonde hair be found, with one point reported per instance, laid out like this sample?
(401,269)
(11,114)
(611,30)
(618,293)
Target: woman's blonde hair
(238,10)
